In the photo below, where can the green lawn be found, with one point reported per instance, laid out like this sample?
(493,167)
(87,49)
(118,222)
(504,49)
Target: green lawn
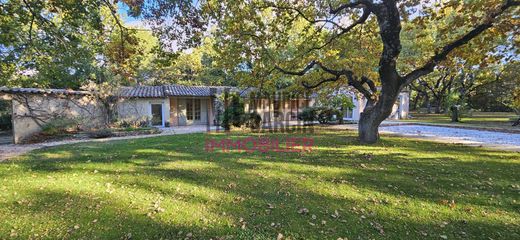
(494,120)
(168,187)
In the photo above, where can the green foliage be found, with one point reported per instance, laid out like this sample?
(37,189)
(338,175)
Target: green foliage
(453,100)
(5,115)
(60,125)
(341,101)
(100,133)
(253,120)
(322,114)
(133,122)
(64,44)
(327,114)
(308,115)
(234,112)
(5,121)
(516,100)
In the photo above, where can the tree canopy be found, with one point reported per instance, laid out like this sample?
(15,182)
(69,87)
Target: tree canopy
(379,47)
(362,43)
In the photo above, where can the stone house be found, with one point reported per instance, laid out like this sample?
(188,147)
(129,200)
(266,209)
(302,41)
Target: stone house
(162,106)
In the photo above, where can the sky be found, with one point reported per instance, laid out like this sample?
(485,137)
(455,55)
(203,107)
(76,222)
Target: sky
(129,20)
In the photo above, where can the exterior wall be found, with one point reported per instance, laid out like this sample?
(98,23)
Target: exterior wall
(211,112)
(400,109)
(265,107)
(174,121)
(137,108)
(32,111)
(177,110)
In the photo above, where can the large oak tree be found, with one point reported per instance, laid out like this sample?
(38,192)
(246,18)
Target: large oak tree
(356,42)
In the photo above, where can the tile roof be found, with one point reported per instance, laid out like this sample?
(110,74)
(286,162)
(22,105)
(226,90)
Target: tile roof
(43,91)
(142,92)
(171,90)
(179,90)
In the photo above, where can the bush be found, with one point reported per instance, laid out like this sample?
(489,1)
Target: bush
(253,120)
(327,114)
(234,113)
(308,114)
(100,133)
(133,122)
(5,121)
(60,125)
(322,114)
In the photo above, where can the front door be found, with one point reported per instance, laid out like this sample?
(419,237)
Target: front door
(193,111)
(157,116)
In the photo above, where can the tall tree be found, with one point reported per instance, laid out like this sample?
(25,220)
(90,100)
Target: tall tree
(324,36)
(64,44)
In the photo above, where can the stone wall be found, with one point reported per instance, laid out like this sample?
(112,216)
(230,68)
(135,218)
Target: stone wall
(140,108)
(32,111)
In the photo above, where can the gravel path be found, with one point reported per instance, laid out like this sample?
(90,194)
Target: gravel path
(506,141)
(13,150)
(497,140)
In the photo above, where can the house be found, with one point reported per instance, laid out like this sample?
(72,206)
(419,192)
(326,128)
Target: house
(399,111)
(163,106)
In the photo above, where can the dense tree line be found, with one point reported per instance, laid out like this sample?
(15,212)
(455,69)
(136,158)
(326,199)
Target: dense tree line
(446,51)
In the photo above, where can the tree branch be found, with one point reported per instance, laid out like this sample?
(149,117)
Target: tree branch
(332,79)
(122,28)
(440,56)
(356,4)
(352,80)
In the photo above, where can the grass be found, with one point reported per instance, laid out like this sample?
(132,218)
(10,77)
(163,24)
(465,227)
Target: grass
(168,187)
(493,120)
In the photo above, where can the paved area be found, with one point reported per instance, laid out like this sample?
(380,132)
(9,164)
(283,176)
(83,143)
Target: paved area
(491,139)
(12,150)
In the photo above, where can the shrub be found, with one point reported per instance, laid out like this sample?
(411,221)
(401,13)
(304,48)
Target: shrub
(322,114)
(234,113)
(5,121)
(60,125)
(326,114)
(253,120)
(133,122)
(308,114)
(100,133)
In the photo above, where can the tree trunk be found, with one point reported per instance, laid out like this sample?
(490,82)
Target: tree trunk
(428,104)
(374,114)
(416,101)
(368,128)
(438,103)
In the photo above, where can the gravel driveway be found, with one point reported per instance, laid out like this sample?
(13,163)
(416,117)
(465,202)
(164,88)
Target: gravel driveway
(458,135)
(13,150)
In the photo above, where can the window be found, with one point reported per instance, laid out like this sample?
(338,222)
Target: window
(157,114)
(294,109)
(189,109)
(348,113)
(276,110)
(294,104)
(196,109)
(193,110)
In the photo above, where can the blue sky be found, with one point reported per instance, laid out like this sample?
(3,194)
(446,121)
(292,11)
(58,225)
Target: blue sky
(130,21)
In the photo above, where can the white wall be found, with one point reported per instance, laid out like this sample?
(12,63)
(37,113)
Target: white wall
(32,111)
(136,108)
(400,109)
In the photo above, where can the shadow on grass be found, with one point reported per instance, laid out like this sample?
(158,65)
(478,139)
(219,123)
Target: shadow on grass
(397,185)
